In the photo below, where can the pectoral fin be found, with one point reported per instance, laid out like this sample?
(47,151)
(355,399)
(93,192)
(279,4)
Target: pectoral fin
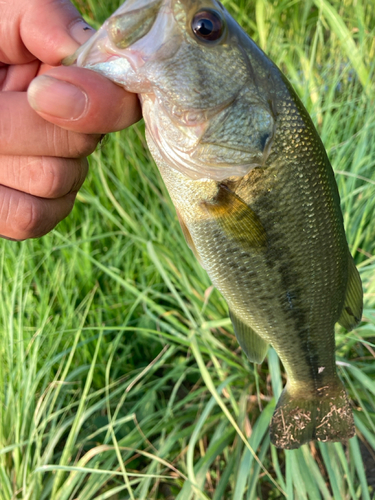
(254,346)
(188,238)
(352,311)
(237,220)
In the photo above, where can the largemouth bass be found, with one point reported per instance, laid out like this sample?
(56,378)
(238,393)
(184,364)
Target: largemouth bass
(254,192)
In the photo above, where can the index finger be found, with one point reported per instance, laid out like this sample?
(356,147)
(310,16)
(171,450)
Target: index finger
(36,29)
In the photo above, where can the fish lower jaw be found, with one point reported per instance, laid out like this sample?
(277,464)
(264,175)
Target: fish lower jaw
(185,163)
(136,59)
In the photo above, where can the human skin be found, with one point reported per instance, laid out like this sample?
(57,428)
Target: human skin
(51,117)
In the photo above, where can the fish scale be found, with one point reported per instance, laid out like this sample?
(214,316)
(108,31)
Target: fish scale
(254,192)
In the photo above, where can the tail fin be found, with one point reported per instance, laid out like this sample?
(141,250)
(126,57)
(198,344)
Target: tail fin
(324,415)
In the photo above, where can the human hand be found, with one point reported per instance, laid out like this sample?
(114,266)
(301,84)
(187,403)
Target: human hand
(43,148)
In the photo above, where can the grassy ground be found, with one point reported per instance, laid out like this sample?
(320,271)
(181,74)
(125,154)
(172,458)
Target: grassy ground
(120,374)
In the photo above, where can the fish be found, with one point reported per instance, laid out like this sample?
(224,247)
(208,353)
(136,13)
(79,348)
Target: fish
(253,189)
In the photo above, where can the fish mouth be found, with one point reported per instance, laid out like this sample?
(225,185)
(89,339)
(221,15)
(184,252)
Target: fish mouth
(137,33)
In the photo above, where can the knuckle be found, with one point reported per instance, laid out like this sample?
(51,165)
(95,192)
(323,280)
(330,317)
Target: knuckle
(44,178)
(80,173)
(23,216)
(55,177)
(30,220)
(82,145)
(64,143)
(53,180)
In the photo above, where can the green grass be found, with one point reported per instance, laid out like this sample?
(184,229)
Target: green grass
(120,374)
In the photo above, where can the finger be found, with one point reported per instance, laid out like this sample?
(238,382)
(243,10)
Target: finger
(24,216)
(82,100)
(48,31)
(23,132)
(3,73)
(18,77)
(43,176)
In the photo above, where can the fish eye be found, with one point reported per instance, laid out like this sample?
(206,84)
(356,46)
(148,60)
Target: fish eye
(208,25)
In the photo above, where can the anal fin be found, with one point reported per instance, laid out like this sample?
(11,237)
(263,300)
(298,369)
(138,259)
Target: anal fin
(352,311)
(253,345)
